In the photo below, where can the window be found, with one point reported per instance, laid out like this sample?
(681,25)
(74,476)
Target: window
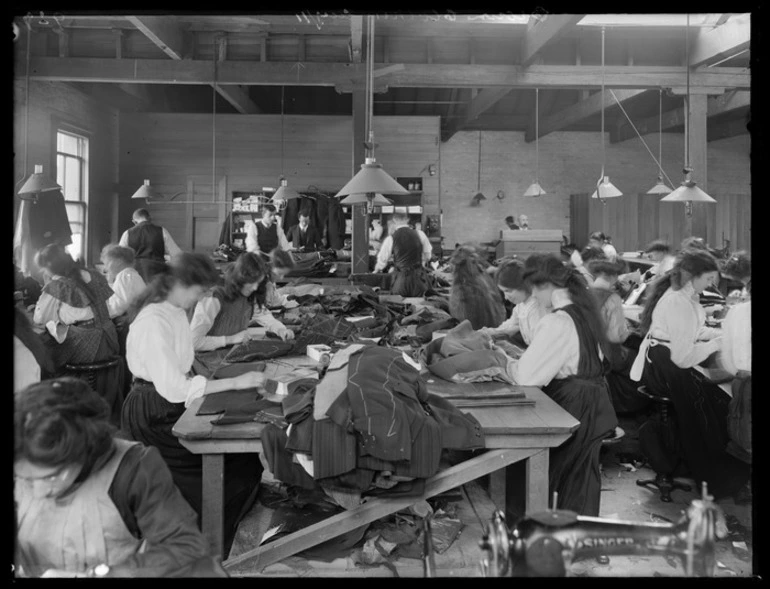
(72,176)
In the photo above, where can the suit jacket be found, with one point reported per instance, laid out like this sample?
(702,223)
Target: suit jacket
(312,240)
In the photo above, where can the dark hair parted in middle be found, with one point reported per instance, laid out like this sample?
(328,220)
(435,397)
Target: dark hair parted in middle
(658,245)
(551,270)
(247,269)
(187,269)
(596,267)
(591,252)
(510,275)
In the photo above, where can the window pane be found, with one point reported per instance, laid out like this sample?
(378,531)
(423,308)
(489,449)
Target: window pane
(66,143)
(75,249)
(75,213)
(72,179)
(60,170)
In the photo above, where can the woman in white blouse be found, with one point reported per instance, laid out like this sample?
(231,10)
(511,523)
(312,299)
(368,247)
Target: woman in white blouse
(600,240)
(125,281)
(677,341)
(222,318)
(566,361)
(160,353)
(526,313)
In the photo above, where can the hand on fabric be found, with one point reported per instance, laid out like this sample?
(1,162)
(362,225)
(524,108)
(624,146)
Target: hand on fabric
(249,380)
(286,334)
(290,304)
(237,338)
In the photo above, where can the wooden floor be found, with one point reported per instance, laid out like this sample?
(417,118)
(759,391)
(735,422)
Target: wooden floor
(621,498)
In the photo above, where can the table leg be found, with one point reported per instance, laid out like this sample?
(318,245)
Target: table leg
(537,482)
(498,487)
(213,507)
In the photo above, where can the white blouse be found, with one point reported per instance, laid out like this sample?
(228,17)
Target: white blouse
(26,370)
(680,321)
(49,308)
(524,318)
(736,338)
(127,287)
(206,312)
(610,251)
(252,241)
(554,351)
(159,349)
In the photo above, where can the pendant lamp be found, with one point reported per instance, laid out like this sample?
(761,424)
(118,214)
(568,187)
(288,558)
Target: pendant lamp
(535,189)
(660,186)
(604,188)
(479,196)
(688,192)
(147,191)
(371,179)
(284,192)
(36,183)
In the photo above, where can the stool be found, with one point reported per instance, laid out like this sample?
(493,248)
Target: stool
(88,372)
(665,483)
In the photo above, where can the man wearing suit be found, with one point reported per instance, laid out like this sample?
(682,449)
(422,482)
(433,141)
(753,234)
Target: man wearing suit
(305,237)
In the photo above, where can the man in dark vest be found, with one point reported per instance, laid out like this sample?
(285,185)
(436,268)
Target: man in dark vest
(304,236)
(265,235)
(151,244)
(410,250)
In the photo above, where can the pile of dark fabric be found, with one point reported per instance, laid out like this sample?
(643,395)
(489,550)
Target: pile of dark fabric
(369,427)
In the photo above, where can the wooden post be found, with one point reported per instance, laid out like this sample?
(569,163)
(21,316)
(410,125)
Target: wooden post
(698,115)
(360,232)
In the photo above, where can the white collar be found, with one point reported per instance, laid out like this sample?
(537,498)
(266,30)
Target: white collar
(560,298)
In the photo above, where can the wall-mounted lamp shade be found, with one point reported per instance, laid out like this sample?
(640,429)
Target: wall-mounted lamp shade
(147,191)
(38,182)
(285,192)
(688,191)
(660,187)
(534,190)
(605,189)
(372,178)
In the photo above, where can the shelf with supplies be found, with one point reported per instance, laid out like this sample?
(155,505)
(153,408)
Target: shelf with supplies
(247,206)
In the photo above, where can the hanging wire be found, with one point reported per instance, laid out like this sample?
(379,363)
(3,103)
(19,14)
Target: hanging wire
(537,136)
(602,135)
(687,103)
(623,110)
(282,97)
(214,128)
(478,181)
(370,83)
(660,129)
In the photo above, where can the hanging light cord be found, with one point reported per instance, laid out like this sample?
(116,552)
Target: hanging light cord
(602,136)
(370,84)
(282,97)
(214,129)
(537,136)
(660,130)
(478,180)
(660,167)
(687,102)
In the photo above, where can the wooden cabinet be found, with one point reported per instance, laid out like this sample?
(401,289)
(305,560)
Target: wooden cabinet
(523,243)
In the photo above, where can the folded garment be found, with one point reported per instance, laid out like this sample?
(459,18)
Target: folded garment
(243,400)
(268,412)
(258,350)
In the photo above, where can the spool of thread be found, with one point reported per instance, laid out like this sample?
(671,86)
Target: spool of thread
(323,365)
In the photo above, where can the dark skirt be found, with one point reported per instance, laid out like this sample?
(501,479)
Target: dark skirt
(409,282)
(574,466)
(699,428)
(149,418)
(739,418)
(624,393)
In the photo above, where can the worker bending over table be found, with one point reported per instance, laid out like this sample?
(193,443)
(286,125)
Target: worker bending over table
(160,354)
(410,250)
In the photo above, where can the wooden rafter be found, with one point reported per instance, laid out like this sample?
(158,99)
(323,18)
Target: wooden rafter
(710,46)
(544,30)
(717,105)
(483,101)
(169,36)
(356,37)
(409,75)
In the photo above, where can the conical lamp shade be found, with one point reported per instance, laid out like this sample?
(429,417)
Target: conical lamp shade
(688,191)
(534,190)
(479,196)
(606,190)
(146,191)
(659,188)
(38,182)
(359,199)
(285,192)
(372,178)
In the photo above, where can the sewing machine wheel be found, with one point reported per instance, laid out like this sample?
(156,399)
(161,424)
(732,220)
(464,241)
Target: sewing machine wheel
(544,558)
(496,543)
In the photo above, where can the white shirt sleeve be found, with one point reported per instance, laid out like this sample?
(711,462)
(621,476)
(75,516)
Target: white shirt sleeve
(675,319)
(251,237)
(384,254)
(511,325)
(205,314)
(265,318)
(554,351)
(170,245)
(736,339)
(617,327)
(127,286)
(26,370)
(159,350)
(283,243)
(273,298)
(49,308)
(427,248)
(123,239)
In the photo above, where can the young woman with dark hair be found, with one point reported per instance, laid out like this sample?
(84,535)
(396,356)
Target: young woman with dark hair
(125,281)
(566,361)
(89,503)
(474,295)
(736,274)
(222,319)
(677,340)
(73,307)
(160,354)
(600,240)
(581,259)
(526,313)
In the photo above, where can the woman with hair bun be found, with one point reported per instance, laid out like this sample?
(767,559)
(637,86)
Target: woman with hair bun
(677,341)
(160,354)
(566,361)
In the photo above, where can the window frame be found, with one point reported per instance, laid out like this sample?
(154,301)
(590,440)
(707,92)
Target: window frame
(63,126)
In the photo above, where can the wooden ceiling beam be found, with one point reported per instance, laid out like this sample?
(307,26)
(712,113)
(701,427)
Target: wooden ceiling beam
(710,46)
(166,33)
(356,37)
(575,113)
(483,101)
(544,30)
(405,75)
(717,105)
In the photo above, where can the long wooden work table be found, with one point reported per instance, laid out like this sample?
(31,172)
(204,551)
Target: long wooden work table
(512,434)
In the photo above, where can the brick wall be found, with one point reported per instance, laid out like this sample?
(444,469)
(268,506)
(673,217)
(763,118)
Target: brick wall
(51,102)
(570,163)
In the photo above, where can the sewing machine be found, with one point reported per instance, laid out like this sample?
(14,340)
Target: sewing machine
(544,544)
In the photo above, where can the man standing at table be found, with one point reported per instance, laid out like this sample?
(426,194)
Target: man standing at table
(304,236)
(151,244)
(265,235)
